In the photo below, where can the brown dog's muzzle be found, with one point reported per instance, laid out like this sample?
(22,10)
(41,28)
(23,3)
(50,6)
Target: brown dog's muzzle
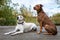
(34,8)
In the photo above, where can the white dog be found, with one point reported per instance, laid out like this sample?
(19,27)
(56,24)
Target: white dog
(22,26)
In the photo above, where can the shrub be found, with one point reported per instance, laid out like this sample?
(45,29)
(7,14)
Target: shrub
(6,17)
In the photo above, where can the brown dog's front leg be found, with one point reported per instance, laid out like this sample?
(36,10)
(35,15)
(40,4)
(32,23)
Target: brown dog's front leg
(40,28)
(41,24)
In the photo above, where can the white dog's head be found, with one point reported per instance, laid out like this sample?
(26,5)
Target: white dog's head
(20,19)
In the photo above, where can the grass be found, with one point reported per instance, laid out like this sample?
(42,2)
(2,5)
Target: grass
(31,19)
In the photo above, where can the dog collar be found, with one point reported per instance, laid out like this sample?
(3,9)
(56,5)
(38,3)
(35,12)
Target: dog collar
(21,23)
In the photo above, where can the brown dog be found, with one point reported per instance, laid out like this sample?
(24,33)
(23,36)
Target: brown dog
(44,21)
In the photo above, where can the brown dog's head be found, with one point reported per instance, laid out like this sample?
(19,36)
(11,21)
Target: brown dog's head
(38,7)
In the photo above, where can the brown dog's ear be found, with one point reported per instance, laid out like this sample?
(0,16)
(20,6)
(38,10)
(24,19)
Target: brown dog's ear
(41,5)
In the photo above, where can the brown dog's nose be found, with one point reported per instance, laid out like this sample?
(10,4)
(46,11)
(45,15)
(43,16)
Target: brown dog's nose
(34,8)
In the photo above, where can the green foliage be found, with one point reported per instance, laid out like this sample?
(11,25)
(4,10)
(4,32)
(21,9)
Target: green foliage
(25,12)
(28,15)
(57,15)
(4,2)
(6,17)
(56,18)
(32,20)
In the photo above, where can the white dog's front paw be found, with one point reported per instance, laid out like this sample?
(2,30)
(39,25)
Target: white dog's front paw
(13,34)
(6,33)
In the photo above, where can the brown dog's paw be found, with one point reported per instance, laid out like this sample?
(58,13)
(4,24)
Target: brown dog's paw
(38,32)
(46,33)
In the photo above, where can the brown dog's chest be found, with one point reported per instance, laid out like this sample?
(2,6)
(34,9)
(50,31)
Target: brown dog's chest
(40,17)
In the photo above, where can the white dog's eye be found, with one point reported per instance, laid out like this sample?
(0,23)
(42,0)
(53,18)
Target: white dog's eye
(20,17)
